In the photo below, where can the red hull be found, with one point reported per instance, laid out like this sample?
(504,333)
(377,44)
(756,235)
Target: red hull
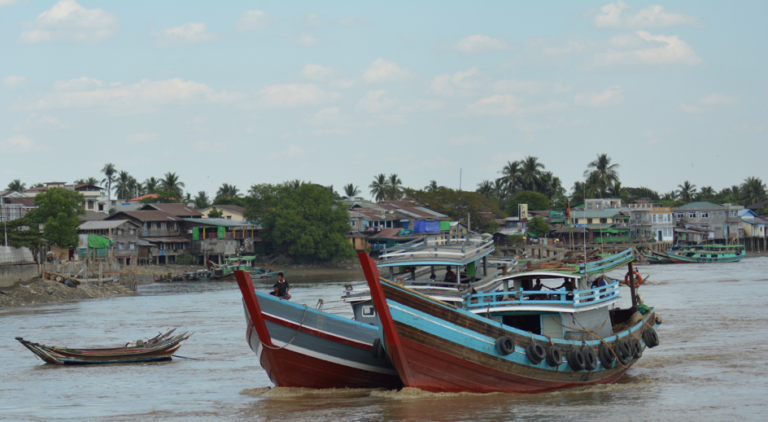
(290,368)
(287,368)
(436,371)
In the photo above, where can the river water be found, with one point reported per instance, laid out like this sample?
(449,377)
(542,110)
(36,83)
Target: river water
(712,363)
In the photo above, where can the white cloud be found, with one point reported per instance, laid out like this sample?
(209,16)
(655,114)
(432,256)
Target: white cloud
(531,87)
(79,84)
(468,140)
(209,147)
(377,102)
(326,116)
(45,122)
(144,96)
(458,84)
(305,40)
(692,109)
(294,95)
(4,3)
(319,73)
(421,105)
(67,21)
(252,20)
(611,96)
(189,33)
(142,138)
(290,152)
(559,47)
(13,81)
(550,107)
(384,71)
(20,144)
(714,99)
(480,43)
(352,21)
(343,83)
(613,15)
(495,105)
(662,50)
(749,128)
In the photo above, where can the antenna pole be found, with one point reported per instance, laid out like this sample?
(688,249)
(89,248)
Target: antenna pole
(460,174)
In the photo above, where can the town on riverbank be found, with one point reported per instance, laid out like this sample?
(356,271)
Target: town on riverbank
(82,230)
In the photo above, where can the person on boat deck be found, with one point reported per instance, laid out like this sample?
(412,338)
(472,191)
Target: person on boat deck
(281,288)
(538,286)
(449,275)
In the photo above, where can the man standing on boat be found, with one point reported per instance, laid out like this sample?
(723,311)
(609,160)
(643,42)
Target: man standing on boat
(281,288)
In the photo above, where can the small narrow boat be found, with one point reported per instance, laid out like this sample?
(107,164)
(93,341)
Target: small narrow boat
(302,347)
(657,258)
(517,338)
(707,254)
(156,349)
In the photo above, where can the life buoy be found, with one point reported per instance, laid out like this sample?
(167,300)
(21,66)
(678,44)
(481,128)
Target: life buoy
(638,277)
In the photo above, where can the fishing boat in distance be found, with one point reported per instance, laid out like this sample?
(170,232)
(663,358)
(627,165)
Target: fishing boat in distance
(706,254)
(303,347)
(657,258)
(157,349)
(518,338)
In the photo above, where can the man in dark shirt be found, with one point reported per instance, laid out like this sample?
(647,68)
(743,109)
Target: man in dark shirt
(450,277)
(281,288)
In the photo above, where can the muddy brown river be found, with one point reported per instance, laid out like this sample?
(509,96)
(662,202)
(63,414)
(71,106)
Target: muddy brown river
(712,364)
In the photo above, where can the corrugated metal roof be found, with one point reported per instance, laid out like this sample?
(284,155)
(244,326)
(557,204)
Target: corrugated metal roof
(169,239)
(147,216)
(105,224)
(178,210)
(221,222)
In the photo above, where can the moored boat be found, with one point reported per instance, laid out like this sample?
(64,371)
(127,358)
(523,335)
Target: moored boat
(302,347)
(515,339)
(706,254)
(158,348)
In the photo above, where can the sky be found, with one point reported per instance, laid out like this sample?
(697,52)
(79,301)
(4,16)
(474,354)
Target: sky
(336,92)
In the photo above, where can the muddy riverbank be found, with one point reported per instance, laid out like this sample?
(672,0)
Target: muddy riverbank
(41,291)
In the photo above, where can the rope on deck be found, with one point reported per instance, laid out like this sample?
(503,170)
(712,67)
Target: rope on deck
(294,336)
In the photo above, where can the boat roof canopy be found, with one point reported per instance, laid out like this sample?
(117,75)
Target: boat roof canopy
(437,250)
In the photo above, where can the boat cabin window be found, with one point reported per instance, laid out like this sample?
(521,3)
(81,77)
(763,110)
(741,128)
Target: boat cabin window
(530,323)
(369,311)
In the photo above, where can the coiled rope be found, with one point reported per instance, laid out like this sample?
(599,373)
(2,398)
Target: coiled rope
(294,336)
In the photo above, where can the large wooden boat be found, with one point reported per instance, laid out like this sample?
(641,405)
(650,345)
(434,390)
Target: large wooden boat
(159,348)
(707,254)
(657,258)
(302,347)
(513,339)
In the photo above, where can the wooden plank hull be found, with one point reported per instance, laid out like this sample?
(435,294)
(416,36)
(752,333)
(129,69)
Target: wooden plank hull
(303,347)
(439,348)
(681,259)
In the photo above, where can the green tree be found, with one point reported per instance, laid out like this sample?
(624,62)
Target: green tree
(379,187)
(752,191)
(686,191)
(17,186)
(123,185)
(306,223)
(642,193)
(109,171)
(511,177)
(484,188)
(151,185)
(432,186)
(530,172)
(351,190)
(606,173)
(395,187)
(538,226)
(214,213)
(550,185)
(59,210)
(89,181)
(458,204)
(20,235)
(228,191)
(536,202)
(171,183)
(202,201)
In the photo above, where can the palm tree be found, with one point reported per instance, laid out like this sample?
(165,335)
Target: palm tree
(109,171)
(201,200)
(187,198)
(295,184)
(686,191)
(123,185)
(137,189)
(752,191)
(511,176)
(432,186)
(170,183)
(395,187)
(379,187)
(151,185)
(351,190)
(485,188)
(500,190)
(594,186)
(550,185)
(17,186)
(607,172)
(617,191)
(706,193)
(530,172)
(670,196)
(228,191)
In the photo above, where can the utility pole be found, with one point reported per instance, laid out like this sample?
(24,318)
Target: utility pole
(5,218)
(460,174)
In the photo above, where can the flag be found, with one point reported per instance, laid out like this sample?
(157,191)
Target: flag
(567,212)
